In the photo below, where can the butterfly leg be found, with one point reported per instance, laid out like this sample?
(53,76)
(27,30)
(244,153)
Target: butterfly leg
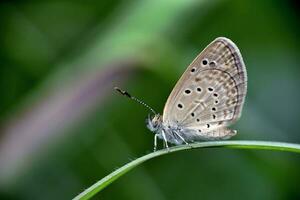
(165,139)
(181,137)
(155,142)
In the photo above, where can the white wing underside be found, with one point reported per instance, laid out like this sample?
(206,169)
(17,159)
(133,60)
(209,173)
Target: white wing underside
(211,92)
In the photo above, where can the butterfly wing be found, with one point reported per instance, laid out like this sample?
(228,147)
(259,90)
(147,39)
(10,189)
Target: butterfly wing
(211,92)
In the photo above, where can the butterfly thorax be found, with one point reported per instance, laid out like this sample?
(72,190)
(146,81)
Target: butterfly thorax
(157,126)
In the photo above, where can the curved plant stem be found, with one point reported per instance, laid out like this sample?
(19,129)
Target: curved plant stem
(242,144)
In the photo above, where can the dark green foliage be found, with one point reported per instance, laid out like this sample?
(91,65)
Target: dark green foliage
(63,127)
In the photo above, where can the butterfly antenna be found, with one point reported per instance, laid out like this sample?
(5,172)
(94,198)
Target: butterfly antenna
(125,93)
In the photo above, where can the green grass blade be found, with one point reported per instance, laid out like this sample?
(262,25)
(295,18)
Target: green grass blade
(242,144)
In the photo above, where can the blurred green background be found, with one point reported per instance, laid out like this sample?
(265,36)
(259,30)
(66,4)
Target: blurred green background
(63,127)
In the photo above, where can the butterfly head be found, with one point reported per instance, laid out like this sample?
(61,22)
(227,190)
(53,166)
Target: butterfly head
(154,123)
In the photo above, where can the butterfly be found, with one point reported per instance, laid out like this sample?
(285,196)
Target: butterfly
(207,98)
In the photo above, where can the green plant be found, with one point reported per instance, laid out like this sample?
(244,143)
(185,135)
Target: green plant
(242,144)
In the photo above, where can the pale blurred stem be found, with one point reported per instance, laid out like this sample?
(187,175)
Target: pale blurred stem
(242,144)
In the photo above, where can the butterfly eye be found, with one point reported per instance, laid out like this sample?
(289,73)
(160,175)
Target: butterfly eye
(204,62)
